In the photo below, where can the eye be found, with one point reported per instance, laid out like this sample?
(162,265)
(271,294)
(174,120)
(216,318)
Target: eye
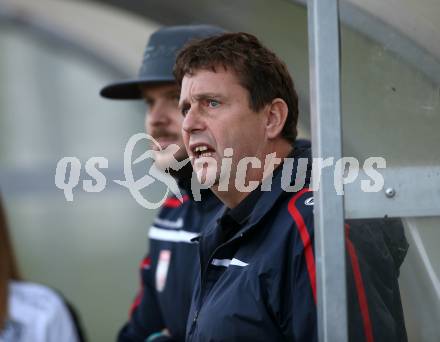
(174,98)
(149,103)
(185,109)
(213,103)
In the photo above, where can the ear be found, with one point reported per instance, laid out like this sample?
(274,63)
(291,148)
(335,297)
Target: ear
(276,117)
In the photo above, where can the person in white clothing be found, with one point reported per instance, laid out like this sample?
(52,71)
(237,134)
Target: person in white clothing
(29,311)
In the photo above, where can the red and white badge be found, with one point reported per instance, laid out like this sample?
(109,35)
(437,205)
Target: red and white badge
(162,269)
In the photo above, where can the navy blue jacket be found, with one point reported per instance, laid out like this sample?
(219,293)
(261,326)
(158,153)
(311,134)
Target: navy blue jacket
(169,270)
(257,277)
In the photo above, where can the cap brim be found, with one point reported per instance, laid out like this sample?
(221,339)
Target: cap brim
(130,89)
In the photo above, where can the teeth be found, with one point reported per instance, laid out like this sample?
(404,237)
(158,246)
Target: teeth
(201,148)
(204,155)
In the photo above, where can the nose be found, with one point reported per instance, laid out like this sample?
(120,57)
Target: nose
(193,121)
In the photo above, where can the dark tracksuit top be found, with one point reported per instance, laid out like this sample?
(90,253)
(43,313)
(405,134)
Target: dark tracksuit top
(172,263)
(257,278)
(169,270)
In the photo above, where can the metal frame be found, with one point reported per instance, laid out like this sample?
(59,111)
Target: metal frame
(403,194)
(323,19)
(378,31)
(410,191)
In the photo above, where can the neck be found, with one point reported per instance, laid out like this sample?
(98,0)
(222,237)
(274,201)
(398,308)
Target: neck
(231,198)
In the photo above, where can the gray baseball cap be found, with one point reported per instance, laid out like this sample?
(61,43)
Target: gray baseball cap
(159,58)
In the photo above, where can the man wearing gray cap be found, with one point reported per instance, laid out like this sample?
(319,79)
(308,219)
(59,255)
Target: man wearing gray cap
(160,310)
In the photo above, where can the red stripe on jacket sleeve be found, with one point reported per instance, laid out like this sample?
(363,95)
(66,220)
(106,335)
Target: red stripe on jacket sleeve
(144,264)
(310,263)
(360,289)
(305,238)
(136,301)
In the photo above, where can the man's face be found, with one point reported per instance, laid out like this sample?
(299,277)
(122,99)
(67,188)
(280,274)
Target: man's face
(218,116)
(163,120)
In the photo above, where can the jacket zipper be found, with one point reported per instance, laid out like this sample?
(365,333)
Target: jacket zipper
(202,281)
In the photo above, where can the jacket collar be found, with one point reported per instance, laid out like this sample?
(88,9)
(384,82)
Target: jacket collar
(208,199)
(267,199)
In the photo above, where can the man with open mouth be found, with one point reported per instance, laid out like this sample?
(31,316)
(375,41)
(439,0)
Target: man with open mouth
(257,279)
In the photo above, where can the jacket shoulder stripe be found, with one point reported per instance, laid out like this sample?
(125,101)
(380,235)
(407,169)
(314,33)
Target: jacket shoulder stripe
(305,238)
(168,223)
(360,289)
(174,202)
(161,234)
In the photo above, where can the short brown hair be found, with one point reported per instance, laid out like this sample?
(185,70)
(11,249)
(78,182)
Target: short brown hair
(8,266)
(259,70)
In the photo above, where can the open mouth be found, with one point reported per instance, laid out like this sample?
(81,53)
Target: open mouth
(201,150)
